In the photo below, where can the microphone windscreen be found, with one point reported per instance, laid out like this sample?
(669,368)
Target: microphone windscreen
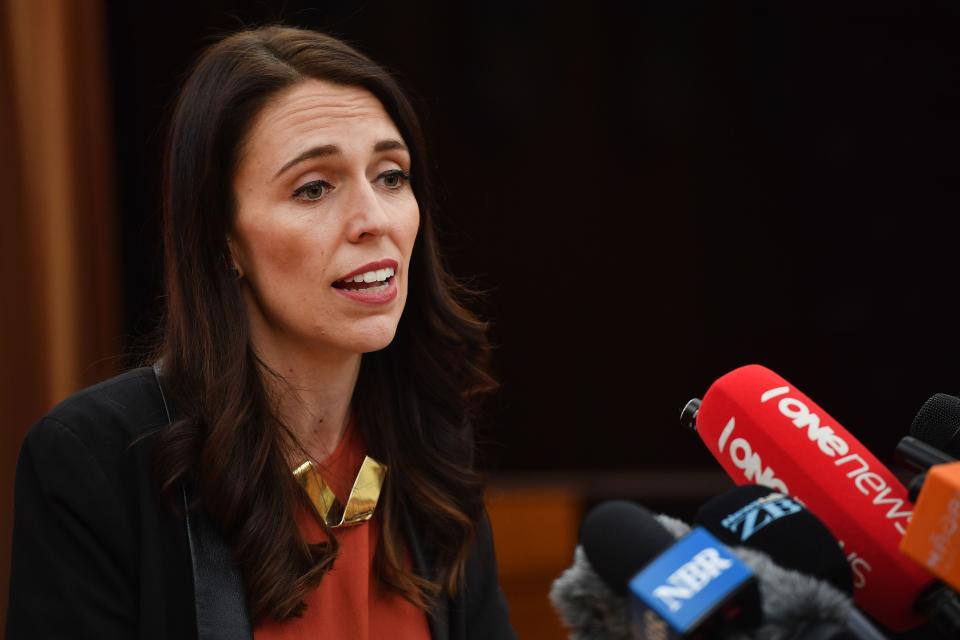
(779,526)
(677,528)
(619,538)
(938,423)
(794,604)
(587,606)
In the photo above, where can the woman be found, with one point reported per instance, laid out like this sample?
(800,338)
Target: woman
(310,328)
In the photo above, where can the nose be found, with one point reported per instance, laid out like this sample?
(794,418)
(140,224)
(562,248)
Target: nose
(366,216)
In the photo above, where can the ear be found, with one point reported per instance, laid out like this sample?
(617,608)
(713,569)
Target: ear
(232,262)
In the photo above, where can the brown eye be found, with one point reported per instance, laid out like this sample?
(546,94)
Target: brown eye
(313,191)
(394,179)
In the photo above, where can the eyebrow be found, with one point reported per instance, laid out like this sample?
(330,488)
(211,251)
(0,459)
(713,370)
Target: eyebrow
(333,150)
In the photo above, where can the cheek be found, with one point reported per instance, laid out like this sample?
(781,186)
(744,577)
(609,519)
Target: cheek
(287,265)
(285,250)
(293,253)
(410,228)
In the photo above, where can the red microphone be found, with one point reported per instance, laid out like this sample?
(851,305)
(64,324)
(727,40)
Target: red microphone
(764,431)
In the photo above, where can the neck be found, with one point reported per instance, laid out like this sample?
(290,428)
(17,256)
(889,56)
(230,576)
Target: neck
(313,397)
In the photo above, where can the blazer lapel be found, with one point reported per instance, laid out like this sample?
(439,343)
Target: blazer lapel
(219,598)
(220,604)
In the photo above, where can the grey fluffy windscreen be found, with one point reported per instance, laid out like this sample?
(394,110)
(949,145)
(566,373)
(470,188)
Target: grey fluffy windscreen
(792,602)
(587,606)
(678,528)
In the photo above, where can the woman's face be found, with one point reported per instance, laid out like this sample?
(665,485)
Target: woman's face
(325,221)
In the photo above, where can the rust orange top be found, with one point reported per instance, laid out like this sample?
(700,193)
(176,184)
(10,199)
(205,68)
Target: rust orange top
(349,603)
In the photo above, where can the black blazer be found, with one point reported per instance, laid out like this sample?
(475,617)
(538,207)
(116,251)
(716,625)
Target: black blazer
(95,556)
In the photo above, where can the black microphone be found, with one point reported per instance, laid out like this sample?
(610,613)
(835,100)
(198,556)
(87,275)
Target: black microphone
(795,606)
(780,526)
(938,424)
(792,537)
(932,447)
(918,454)
(588,607)
(933,439)
(694,587)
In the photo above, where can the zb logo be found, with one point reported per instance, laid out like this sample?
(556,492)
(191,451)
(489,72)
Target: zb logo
(759,513)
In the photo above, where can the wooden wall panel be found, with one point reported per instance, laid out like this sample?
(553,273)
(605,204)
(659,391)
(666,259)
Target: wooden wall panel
(58,278)
(535,533)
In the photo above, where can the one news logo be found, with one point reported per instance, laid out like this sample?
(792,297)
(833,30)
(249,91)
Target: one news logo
(763,511)
(690,579)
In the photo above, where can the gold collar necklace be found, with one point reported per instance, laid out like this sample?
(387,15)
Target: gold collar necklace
(362,499)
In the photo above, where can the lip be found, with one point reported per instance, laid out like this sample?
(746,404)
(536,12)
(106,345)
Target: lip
(372,266)
(365,296)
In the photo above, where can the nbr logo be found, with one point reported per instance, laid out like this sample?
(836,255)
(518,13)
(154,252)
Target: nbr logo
(687,581)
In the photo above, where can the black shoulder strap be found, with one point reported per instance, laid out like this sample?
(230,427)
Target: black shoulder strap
(219,598)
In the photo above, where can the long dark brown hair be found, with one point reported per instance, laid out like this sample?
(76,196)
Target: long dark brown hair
(414,401)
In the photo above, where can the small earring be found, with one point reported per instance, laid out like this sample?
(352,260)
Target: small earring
(232,267)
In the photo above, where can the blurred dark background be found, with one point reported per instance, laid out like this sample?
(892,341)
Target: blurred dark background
(650,194)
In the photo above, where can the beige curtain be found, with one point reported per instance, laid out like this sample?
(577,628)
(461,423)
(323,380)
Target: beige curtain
(58,273)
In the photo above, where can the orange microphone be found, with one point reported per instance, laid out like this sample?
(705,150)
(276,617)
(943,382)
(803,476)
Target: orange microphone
(933,536)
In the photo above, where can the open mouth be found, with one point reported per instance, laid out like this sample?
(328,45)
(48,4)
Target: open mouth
(370,281)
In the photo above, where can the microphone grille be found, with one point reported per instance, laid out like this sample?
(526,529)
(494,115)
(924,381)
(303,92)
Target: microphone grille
(619,538)
(938,423)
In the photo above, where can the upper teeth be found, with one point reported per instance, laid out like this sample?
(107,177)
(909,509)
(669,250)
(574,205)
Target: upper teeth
(371,276)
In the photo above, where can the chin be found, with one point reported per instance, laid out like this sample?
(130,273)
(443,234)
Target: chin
(374,341)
